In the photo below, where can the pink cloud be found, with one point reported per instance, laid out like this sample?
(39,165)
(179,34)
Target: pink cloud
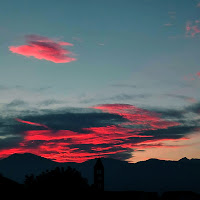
(44,48)
(189,77)
(192,29)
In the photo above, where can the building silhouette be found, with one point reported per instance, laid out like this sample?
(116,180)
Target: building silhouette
(99,176)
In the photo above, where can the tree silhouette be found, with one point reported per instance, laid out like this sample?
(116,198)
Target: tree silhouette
(58,179)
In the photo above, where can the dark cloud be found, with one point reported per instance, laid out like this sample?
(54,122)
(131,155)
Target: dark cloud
(8,136)
(10,141)
(195,108)
(50,102)
(181,114)
(177,114)
(74,121)
(171,132)
(5,87)
(16,103)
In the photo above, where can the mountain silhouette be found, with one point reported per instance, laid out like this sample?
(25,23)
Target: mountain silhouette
(152,175)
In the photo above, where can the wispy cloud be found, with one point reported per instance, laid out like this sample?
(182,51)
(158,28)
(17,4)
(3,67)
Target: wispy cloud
(124,97)
(183,97)
(172,18)
(44,48)
(172,13)
(189,77)
(100,44)
(16,103)
(192,77)
(192,28)
(123,85)
(168,24)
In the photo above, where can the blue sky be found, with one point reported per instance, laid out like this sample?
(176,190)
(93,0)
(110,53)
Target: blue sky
(135,52)
(114,42)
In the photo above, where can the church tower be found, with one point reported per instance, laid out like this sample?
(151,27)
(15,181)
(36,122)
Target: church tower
(99,176)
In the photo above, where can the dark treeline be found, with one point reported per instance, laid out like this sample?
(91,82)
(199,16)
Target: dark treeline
(58,179)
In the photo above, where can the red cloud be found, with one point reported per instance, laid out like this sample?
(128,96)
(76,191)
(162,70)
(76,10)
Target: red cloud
(66,145)
(31,123)
(56,145)
(44,48)
(198,74)
(150,120)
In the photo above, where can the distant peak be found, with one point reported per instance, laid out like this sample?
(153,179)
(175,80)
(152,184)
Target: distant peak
(22,156)
(153,160)
(184,159)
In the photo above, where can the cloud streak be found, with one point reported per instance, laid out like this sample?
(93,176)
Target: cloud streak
(44,48)
(31,123)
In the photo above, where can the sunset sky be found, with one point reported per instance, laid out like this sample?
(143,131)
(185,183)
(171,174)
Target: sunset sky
(110,78)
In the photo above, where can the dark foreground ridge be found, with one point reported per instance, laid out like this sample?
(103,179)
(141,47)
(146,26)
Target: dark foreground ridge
(151,179)
(60,181)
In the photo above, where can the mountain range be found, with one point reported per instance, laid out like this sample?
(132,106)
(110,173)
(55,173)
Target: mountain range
(152,175)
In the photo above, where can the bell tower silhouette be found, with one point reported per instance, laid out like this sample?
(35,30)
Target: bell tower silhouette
(99,176)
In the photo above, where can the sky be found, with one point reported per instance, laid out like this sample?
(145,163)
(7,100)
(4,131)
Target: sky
(110,78)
